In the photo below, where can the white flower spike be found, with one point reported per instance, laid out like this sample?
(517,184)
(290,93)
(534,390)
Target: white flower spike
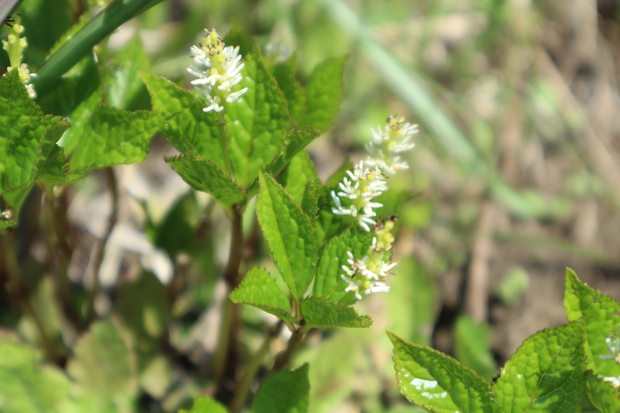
(385,146)
(218,70)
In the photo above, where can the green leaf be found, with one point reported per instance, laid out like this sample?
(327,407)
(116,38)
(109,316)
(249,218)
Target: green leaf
(260,290)
(328,282)
(285,74)
(16,111)
(193,131)
(294,141)
(205,405)
(103,370)
(126,89)
(438,382)
(472,346)
(600,312)
(113,137)
(238,37)
(285,391)
(602,395)
(320,313)
(28,386)
(289,235)
(206,176)
(546,374)
(29,152)
(299,172)
(257,123)
(324,93)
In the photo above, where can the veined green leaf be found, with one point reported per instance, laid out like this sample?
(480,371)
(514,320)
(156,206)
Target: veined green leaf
(294,142)
(289,235)
(285,74)
(546,374)
(206,176)
(193,131)
(114,137)
(126,89)
(298,173)
(257,123)
(320,313)
(324,94)
(260,290)
(285,391)
(437,382)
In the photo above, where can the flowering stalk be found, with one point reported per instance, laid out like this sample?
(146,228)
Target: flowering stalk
(14,46)
(368,180)
(218,70)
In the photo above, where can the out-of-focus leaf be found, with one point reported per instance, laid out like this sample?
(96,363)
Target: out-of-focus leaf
(285,391)
(472,346)
(127,90)
(324,93)
(285,75)
(205,405)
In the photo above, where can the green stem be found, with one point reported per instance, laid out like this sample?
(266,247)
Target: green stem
(293,345)
(243,389)
(221,122)
(80,45)
(224,364)
(18,292)
(100,246)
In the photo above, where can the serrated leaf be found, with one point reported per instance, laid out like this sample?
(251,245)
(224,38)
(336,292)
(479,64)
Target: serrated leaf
(27,385)
(546,374)
(206,176)
(437,382)
(260,290)
(298,173)
(29,152)
(193,131)
(257,123)
(328,282)
(285,391)
(289,235)
(126,89)
(285,74)
(602,395)
(103,370)
(320,313)
(205,405)
(324,93)
(601,314)
(113,137)
(16,111)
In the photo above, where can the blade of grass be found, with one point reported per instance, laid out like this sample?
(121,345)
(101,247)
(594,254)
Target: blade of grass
(103,24)
(413,92)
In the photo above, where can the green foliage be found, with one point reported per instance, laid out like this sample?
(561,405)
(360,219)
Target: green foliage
(556,370)
(472,346)
(205,405)
(284,391)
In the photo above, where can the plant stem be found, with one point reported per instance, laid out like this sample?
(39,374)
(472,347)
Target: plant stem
(225,354)
(17,291)
(100,246)
(243,389)
(293,345)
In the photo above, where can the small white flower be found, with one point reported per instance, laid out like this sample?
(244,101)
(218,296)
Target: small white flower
(385,145)
(360,188)
(218,70)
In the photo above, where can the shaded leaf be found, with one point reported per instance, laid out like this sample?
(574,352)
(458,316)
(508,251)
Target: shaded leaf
(205,405)
(324,93)
(126,89)
(473,346)
(204,175)
(285,391)
(285,74)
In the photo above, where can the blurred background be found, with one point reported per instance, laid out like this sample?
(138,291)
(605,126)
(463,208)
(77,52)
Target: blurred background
(515,175)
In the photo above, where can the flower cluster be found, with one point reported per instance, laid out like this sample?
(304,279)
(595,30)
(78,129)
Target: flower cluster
(613,345)
(385,146)
(366,275)
(14,46)
(367,181)
(218,70)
